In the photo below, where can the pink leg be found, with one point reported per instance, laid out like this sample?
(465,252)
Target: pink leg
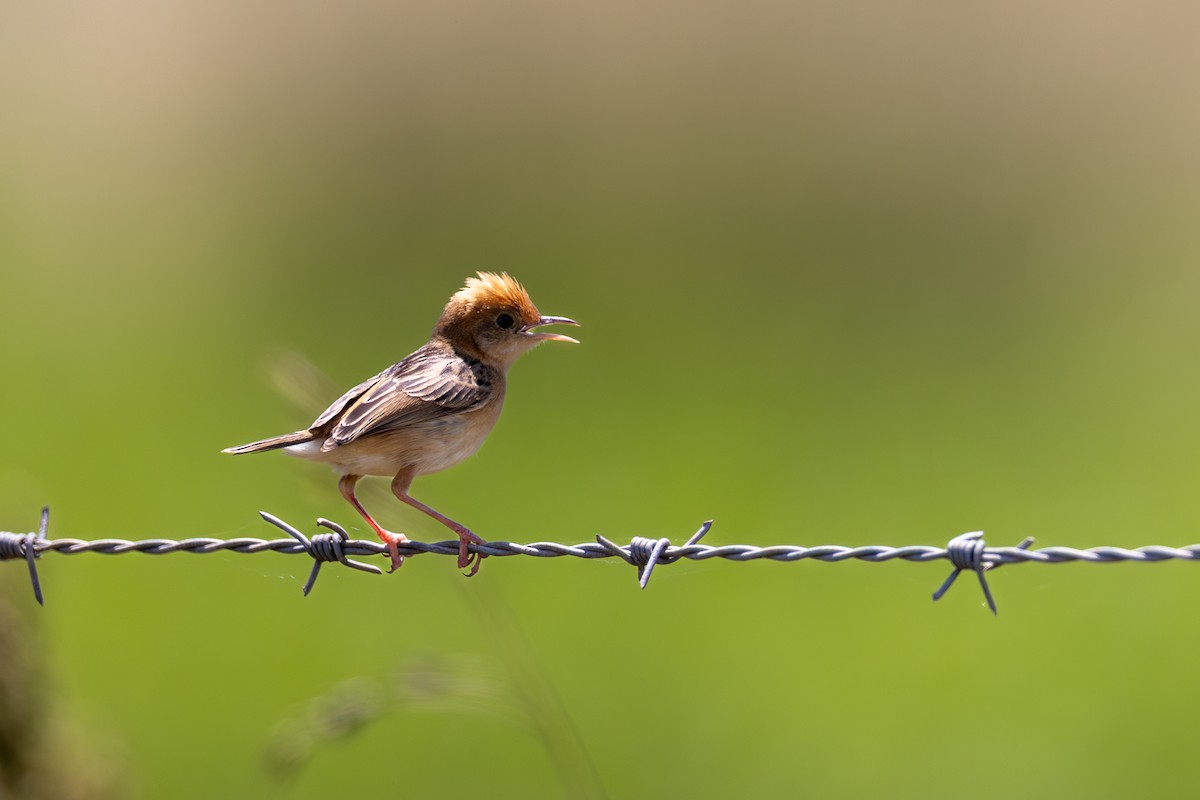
(392,540)
(400,486)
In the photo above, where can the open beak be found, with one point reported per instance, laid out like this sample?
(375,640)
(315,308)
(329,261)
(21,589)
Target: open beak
(548,337)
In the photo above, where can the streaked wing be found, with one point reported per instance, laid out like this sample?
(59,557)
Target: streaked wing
(432,382)
(329,414)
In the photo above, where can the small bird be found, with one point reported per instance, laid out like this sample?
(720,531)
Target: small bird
(431,410)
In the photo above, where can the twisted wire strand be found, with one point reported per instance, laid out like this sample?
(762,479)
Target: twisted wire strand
(965,552)
(831,553)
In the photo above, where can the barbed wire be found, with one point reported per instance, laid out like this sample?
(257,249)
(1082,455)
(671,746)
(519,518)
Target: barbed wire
(966,552)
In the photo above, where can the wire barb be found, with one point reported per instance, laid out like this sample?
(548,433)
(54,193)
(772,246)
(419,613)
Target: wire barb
(323,547)
(25,545)
(968,551)
(646,553)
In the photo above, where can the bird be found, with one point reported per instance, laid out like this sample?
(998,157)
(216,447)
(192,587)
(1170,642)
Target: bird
(430,410)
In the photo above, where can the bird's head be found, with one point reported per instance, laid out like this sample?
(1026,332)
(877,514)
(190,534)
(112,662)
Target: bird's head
(493,318)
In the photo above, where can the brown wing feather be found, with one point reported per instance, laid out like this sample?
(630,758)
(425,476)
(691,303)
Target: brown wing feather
(430,383)
(339,405)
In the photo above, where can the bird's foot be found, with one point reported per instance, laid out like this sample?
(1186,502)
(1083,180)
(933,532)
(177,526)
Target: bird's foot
(393,542)
(465,557)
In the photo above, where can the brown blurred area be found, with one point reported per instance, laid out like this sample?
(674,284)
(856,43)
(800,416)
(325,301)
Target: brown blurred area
(43,753)
(761,111)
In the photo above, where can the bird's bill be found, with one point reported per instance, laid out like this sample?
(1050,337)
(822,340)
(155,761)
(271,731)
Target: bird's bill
(550,337)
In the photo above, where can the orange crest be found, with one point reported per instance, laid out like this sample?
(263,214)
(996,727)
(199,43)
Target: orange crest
(490,290)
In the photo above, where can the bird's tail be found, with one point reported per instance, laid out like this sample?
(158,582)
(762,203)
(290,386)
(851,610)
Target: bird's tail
(274,443)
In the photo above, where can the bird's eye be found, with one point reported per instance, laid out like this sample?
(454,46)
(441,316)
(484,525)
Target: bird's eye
(505,321)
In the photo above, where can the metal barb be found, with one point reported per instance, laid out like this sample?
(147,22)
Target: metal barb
(968,551)
(645,553)
(25,545)
(323,547)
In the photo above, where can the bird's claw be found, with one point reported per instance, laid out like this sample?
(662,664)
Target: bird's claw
(393,542)
(465,557)
(473,560)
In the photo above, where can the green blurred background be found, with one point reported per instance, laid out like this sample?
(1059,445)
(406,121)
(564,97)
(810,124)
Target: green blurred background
(848,273)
